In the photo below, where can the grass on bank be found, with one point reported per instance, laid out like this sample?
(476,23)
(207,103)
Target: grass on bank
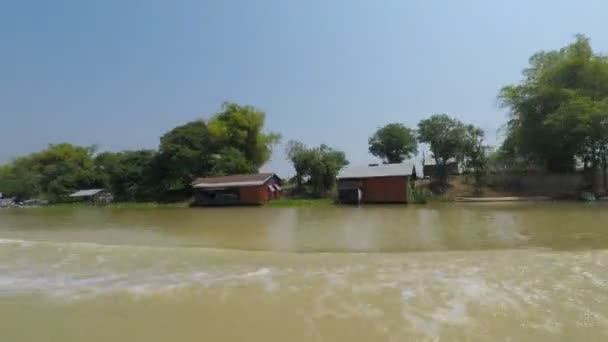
(300,202)
(280,203)
(119,205)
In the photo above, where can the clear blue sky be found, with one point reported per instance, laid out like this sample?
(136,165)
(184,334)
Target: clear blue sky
(120,73)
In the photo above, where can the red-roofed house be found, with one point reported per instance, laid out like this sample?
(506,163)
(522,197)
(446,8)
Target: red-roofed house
(236,189)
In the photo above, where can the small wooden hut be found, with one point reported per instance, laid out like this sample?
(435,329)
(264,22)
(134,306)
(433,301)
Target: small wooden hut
(95,196)
(377,183)
(247,189)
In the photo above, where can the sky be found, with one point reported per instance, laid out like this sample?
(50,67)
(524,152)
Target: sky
(120,73)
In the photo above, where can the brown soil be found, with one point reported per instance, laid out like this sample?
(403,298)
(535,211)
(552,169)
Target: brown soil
(462,186)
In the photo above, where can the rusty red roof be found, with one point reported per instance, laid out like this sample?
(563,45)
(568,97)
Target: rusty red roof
(233,180)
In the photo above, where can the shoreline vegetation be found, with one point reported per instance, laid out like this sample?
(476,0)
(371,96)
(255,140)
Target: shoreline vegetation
(305,203)
(317,202)
(555,145)
(457,194)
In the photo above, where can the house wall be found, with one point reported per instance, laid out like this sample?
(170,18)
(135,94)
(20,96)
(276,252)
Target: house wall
(254,194)
(249,195)
(385,190)
(258,194)
(203,198)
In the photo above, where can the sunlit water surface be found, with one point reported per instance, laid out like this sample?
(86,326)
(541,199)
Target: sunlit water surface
(449,272)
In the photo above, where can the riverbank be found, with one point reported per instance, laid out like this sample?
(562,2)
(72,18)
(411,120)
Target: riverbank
(280,203)
(504,199)
(300,202)
(118,205)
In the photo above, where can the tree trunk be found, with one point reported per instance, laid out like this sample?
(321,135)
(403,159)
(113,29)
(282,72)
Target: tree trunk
(605,173)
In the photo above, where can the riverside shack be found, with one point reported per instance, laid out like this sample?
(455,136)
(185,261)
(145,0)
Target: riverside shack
(246,189)
(95,196)
(378,183)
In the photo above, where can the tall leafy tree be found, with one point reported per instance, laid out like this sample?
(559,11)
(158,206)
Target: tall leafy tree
(316,167)
(185,152)
(52,173)
(448,139)
(231,160)
(125,173)
(582,124)
(242,128)
(232,141)
(18,179)
(393,143)
(560,86)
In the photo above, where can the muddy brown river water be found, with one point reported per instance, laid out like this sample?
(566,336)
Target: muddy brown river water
(443,272)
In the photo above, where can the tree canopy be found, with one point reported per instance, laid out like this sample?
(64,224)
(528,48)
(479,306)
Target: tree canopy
(126,173)
(393,143)
(242,128)
(55,172)
(232,141)
(315,167)
(558,111)
(448,139)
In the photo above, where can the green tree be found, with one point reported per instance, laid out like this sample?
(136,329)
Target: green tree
(125,173)
(232,141)
(242,128)
(582,124)
(17,179)
(393,143)
(448,139)
(64,168)
(185,152)
(572,79)
(316,167)
(231,160)
(53,173)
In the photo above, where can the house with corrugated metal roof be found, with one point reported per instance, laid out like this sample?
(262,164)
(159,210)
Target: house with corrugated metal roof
(246,189)
(378,183)
(6,202)
(95,196)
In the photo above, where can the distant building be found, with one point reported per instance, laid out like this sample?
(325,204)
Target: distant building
(7,202)
(95,196)
(374,183)
(237,189)
(453,166)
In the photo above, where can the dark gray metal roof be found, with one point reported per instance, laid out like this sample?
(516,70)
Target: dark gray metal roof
(406,168)
(86,193)
(233,180)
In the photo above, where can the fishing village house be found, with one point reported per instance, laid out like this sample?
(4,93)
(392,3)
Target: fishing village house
(95,196)
(374,183)
(247,189)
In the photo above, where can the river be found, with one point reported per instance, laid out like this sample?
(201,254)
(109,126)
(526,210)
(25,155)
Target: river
(442,272)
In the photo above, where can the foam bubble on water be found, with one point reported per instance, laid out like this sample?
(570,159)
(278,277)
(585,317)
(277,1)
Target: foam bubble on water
(429,328)
(407,294)
(74,286)
(100,259)
(19,242)
(336,279)
(454,312)
(548,325)
(257,273)
(264,277)
(147,290)
(596,280)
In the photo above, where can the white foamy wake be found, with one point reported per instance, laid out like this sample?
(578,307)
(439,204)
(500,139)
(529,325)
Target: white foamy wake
(428,293)
(76,270)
